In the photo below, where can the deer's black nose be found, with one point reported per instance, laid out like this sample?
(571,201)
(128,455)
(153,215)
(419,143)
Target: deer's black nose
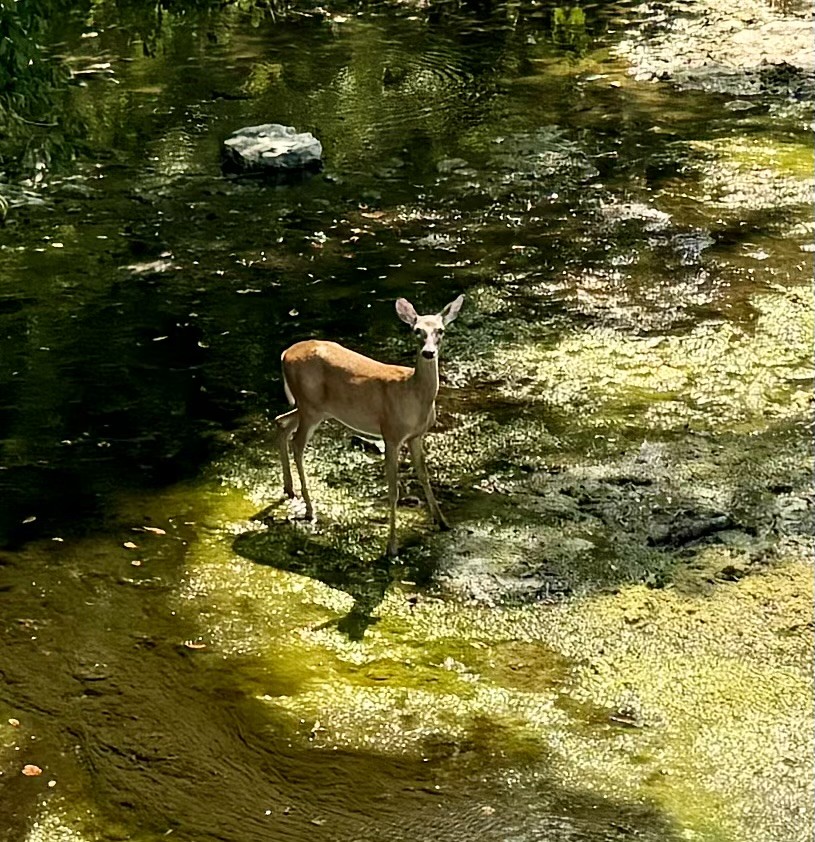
(428,355)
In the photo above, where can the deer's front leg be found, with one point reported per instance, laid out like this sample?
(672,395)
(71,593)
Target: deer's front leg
(419,465)
(392,475)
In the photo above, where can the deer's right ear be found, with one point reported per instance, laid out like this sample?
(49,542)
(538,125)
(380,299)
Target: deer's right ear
(406,311)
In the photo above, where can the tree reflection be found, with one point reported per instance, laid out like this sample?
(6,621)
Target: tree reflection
(35,118)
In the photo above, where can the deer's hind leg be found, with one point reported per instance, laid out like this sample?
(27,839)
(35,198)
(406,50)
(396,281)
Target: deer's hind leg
(306,425)
(287,424)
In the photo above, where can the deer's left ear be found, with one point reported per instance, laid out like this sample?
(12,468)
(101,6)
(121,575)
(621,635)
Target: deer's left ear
(451,310)
(406,311)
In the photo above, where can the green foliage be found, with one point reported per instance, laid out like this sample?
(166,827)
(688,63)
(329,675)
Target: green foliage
(42,122)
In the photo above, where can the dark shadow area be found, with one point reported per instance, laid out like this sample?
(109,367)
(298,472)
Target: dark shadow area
(273,177)
(288,546)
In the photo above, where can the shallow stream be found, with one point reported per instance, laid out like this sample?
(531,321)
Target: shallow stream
(615,639)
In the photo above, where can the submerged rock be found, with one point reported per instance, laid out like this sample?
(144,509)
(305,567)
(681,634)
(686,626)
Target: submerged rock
(271,148)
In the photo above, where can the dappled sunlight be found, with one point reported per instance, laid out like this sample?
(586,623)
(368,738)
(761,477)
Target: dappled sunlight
(717,376)
(644,686)
(614,639)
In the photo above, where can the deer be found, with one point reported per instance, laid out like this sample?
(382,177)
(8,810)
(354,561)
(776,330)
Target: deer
(396,403)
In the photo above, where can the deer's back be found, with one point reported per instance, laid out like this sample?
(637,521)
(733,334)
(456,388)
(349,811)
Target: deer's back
(323,372)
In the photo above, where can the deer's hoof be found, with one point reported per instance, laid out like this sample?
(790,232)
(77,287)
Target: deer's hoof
(298,510)
(444,526)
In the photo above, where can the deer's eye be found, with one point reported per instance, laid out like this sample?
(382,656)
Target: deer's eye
(418,331)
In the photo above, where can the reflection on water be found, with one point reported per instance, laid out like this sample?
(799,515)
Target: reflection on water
(144,301)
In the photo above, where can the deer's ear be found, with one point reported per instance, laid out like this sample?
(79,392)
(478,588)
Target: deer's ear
(406,311)
(451,310)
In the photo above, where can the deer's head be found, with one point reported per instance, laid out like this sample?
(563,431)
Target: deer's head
(429,330)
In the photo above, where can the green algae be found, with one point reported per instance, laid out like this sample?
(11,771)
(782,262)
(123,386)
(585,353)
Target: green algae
(636,693)
(431,673)
(693,700)
(743,176)
(791,158)
(718,375)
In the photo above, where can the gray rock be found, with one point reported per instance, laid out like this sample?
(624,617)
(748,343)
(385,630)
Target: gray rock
(271,148)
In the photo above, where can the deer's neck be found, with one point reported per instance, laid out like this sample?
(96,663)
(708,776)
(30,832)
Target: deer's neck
(426,378)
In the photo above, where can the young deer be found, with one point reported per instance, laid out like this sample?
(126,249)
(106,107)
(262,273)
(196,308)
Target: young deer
(325,380)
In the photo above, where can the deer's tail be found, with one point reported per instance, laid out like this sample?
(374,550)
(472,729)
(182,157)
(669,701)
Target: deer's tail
(286,389)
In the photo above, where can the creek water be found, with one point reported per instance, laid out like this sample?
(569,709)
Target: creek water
(149,661)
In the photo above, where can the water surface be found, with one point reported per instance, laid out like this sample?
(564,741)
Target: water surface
(636,282)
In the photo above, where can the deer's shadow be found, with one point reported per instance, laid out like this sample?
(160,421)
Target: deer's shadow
(297,548)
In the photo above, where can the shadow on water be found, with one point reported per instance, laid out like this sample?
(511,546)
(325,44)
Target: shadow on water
(291,546)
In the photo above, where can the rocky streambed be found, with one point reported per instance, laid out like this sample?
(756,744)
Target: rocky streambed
(751,49)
